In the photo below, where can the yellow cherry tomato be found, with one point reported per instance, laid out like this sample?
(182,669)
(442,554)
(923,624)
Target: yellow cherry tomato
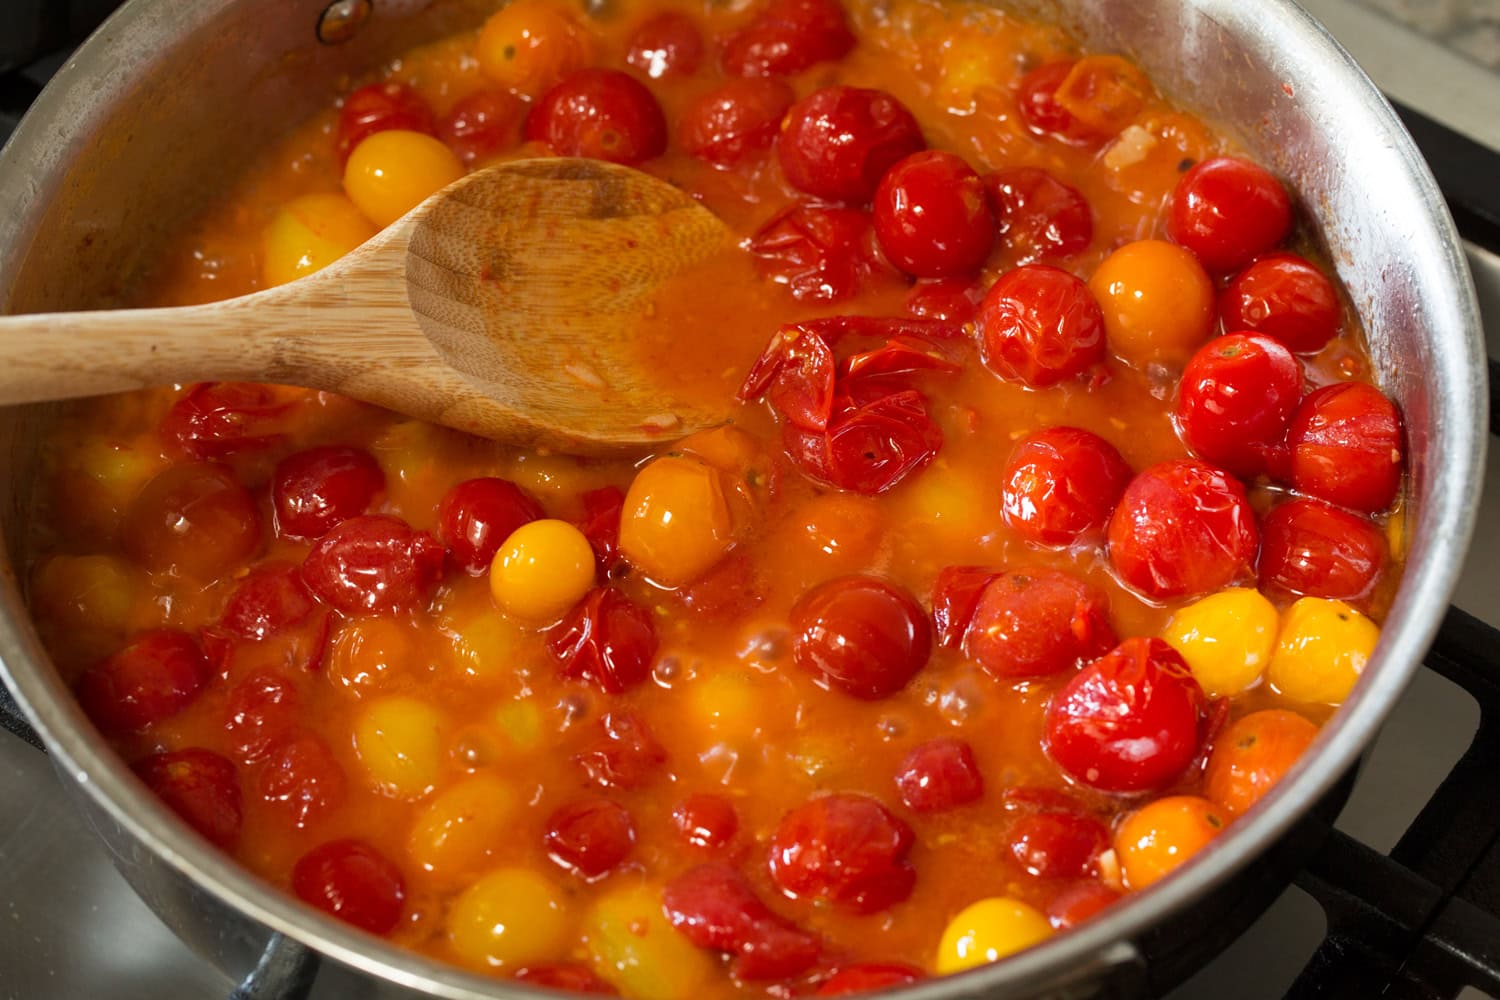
(1226,638)
(730,704)
(508,918)
(392,172)
(1158,837)
(1252,754)
(636,950)
(455,835)
(309,233)
(676,523)
(85,592)
(540,571)
(725,448)
(1323,649)
(485,645)
(987,931)
(399,741)
(369,654)
(528,45)
(1157,300)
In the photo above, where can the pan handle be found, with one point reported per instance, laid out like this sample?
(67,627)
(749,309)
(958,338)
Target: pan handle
(286,971)
(12,721)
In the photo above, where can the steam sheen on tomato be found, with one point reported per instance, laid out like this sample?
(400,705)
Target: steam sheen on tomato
(838,142)
(478,515)
(788,37)
(845,848)
(602,114)
(1283,296)
(1227,211)
(1037,622)
(1346,446)
(352,881)
(860,634)
(1235,399)
(315,490)
(373,564)
(735,121)
(1039,325)
(1061,485)
(1038,216)
(932,217)
(1310,548)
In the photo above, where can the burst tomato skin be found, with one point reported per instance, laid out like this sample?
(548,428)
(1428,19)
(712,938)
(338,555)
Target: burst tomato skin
(1235,399)
(478,515)
(735,121)
(932,217)
(215,420)
(1283,296)
(1038,216)
(1061,485)
(373,564)
(939,775)
(314,491)
(201,787)
(352,881)
(860,634)
(1227,211)
(626,755)
(1037,623)
(838,142)
(820,253)
(1346,446)
(607,639)
(846,848)
(1082,102)
(152,679)
(602,114)
(590,836)
(1310,548)
(1182,528)
(1128,722)
(788,37)
(1039,325)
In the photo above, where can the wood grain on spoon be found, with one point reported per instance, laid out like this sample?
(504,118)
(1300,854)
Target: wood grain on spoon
(504,305)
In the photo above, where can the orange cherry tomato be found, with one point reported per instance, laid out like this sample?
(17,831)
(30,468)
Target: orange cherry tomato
(1252,754)
(1157,301)
(1157,838)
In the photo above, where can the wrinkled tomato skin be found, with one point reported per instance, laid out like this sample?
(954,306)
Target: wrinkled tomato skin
(705,820)
(313,491)
(788,37)
(373,564)
(352,881)
(1128,722)
(1039,325)
(194,519)
(215,420)
(270,598)
(201,787)
(1038,216)
(1285,297)
(868,449)
(1314,549)
(380,107)
(262,709)
(1036,99)
(1235,399)
(602,114)
(152,679)
(838,142)
(820,253)
(590,836)
(625,756)
(485,123)
(714,907)
(564,977)
(869,977)
(668,44)
(1036,623)
(861,635)
(607,639)
(1079,902)
(735,121)
(1346,447)
(1060,486)
(939,775)
(300,779)
(1228,211)
(477,516)
(932,217)
(1182,528)
(845,848)
(1057,843)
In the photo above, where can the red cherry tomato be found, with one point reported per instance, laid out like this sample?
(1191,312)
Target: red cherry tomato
(261,711)
(932,217)
(838,142)
(600,523)
(270,598)
(625,755)
(380,107)
(868,448)
(862,635)
(607,639)
(1037,622)
(352,881)
(215,420)
(1227,211)
(821,254)
(373,564)
(1078,903)
(153,678)
(477,516)
(201,787)
(590,836)
(955,596)
(705,820)
(1311,548)
(869,977)
(1039,325)
(788,37)
(845,848)
(1038,216)
(1235,399)
(483,124)
(714,907)
(300,779)
(731,588)
(939,775)
(1060,486)
(1043,113)
(1128,722)
(1053,843)
(734,121)
(953,299)
(565,977)
(1285,297)
(603,114)
(315,490)
(194,519)
(1346,446)
(1181,529)
(668,44)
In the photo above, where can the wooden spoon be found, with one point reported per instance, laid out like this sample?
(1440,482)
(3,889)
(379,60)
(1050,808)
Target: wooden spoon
(505,305)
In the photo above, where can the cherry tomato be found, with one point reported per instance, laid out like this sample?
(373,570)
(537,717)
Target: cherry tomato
(270,598)
(215,420)
(153,678)
(1284,297)
(1039,325)
(261,711)
(955,596)
(373,564)
(821,254)
(1078,903)
(838,142)
(705,820)
(1128,722)
(1181,529)
(315,490)
(1346,446)
(1055,843)
(380,107)
(352,881)
(564,977)
(600,523)
(603,114)
(939,775)
(625,756)
(1159,837)
(1235,399)
(528,45)
(1038,216)
(478,515)
(1037,622)
(1157,303)
(845,848)
(301,780)
(714,907)
(869,977)
(1251,755)
(1227,211)
(932,217)
(953,299)
(668,44)
(734,121)
(1313,549)
(862,635)
(483,124)
(194,519)
(1060,486)
(868,449)
(608,639)
(590,836)
(788,37)
(1037,102)
(201,787)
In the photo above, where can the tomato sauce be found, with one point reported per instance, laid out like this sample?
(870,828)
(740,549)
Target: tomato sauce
(809,700)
